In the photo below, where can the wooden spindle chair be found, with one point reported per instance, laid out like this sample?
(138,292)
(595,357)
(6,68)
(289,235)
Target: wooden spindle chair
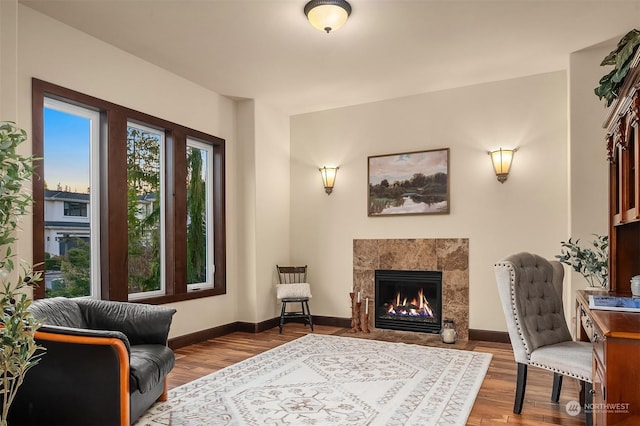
(294,288)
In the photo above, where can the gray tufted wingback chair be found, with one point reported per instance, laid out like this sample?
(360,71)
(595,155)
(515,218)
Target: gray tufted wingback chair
(530,289)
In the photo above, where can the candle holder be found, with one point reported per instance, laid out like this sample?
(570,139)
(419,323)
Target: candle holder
(355,314)
(365,323)
(353,309)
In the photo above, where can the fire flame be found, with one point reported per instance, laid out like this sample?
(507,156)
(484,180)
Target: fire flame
(419,306)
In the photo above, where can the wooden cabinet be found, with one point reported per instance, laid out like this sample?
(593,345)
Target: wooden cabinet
(616,335)
(616,351)
(623,152)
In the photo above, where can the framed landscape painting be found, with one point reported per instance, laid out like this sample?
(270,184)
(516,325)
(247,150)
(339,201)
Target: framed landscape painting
(409,183)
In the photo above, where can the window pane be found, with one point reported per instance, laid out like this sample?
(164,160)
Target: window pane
(144,210)
(138,233)
(199,238)
(75,209)
(71,261)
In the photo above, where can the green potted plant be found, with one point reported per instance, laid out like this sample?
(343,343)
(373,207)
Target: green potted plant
(18,348)
(621,58)
(592,261)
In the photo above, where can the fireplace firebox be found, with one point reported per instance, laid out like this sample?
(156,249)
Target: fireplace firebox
(408,300)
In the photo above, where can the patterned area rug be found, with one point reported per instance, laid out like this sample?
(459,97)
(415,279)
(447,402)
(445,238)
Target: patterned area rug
(330,380)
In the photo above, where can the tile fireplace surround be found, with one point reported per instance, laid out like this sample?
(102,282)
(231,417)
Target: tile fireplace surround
(449,255)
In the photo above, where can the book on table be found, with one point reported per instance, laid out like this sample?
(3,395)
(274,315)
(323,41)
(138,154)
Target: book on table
(614,303)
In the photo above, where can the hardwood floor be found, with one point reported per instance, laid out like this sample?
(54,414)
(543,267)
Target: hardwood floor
(493,405)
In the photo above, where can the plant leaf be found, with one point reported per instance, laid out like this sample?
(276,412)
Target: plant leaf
(628,50)
(621,58)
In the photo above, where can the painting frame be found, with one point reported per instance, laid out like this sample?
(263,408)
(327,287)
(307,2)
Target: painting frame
(408,183)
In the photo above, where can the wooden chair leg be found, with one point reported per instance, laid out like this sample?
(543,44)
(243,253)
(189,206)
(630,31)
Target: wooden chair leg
(588,403)
(163,396)
(284,309)
(557,386)
(520,386)
(306,302)
(304,313)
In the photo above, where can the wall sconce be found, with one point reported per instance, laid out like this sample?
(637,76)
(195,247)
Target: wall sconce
(327,15)
(328,178)
(501,160)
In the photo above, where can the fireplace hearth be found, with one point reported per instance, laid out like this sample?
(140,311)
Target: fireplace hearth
(408,300)
(447,255)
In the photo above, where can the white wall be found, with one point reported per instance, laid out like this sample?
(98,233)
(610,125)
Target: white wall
(56,53)
(245,245)
(272,204)
(527,213)
(589,166)
(263,136)
(8,59)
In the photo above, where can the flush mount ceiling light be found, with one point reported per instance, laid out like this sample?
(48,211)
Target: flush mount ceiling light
(327,15)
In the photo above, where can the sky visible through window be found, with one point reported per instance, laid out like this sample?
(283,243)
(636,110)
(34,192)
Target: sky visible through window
(66,151)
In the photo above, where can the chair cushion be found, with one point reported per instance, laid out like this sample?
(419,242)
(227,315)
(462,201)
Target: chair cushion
(294,290)
(58,311)
(537,302)
(143,324)
(148,365)
(572,359)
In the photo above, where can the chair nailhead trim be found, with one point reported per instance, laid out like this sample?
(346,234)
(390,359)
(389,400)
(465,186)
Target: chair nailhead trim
(564,373)
(512,276)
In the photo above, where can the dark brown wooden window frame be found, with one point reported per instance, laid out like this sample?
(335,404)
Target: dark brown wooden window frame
(113,196)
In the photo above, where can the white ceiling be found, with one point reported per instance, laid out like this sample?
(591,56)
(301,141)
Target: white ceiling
(266,49)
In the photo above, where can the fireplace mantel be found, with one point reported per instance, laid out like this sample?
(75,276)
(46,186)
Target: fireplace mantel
(449,255)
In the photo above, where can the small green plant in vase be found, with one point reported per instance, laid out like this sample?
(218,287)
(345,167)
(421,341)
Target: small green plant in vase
(592,261)
(18,348)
